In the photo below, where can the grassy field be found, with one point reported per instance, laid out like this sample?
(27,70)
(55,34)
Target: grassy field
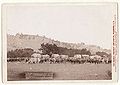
(62,71)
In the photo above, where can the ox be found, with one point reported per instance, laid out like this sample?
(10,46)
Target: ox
(33,60)
(107,60)
(45,58)
(64,58)
(71,59)
(76,60)
(54,58)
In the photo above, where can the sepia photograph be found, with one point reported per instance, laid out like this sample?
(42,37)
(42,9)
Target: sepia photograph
(60,41)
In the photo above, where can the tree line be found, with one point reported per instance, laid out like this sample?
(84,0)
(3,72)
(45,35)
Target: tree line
(54,49)
(50,49)
(20,53)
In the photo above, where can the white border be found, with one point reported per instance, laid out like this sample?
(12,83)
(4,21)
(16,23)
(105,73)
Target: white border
(32,82)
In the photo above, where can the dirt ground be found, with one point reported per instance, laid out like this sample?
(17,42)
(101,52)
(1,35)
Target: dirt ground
(62,71)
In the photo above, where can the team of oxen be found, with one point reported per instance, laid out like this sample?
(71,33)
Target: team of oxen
(56,58)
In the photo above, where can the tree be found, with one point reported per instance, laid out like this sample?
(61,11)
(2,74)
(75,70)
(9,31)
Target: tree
(49,48)
(53,48)
(83,51)
(20,53)
(101,54)
(88,53)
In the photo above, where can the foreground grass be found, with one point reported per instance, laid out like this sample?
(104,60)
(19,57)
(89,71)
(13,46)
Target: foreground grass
(62,71)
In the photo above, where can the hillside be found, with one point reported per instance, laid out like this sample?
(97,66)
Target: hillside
(34,41)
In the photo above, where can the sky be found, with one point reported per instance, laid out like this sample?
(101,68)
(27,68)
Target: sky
(91,24)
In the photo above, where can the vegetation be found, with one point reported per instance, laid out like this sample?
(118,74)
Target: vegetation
(20,53)
(53,48)
(103,54)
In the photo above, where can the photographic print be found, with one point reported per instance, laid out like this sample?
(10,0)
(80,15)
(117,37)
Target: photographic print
(60,41)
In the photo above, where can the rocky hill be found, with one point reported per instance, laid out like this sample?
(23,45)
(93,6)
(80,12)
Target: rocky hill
(34,41)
